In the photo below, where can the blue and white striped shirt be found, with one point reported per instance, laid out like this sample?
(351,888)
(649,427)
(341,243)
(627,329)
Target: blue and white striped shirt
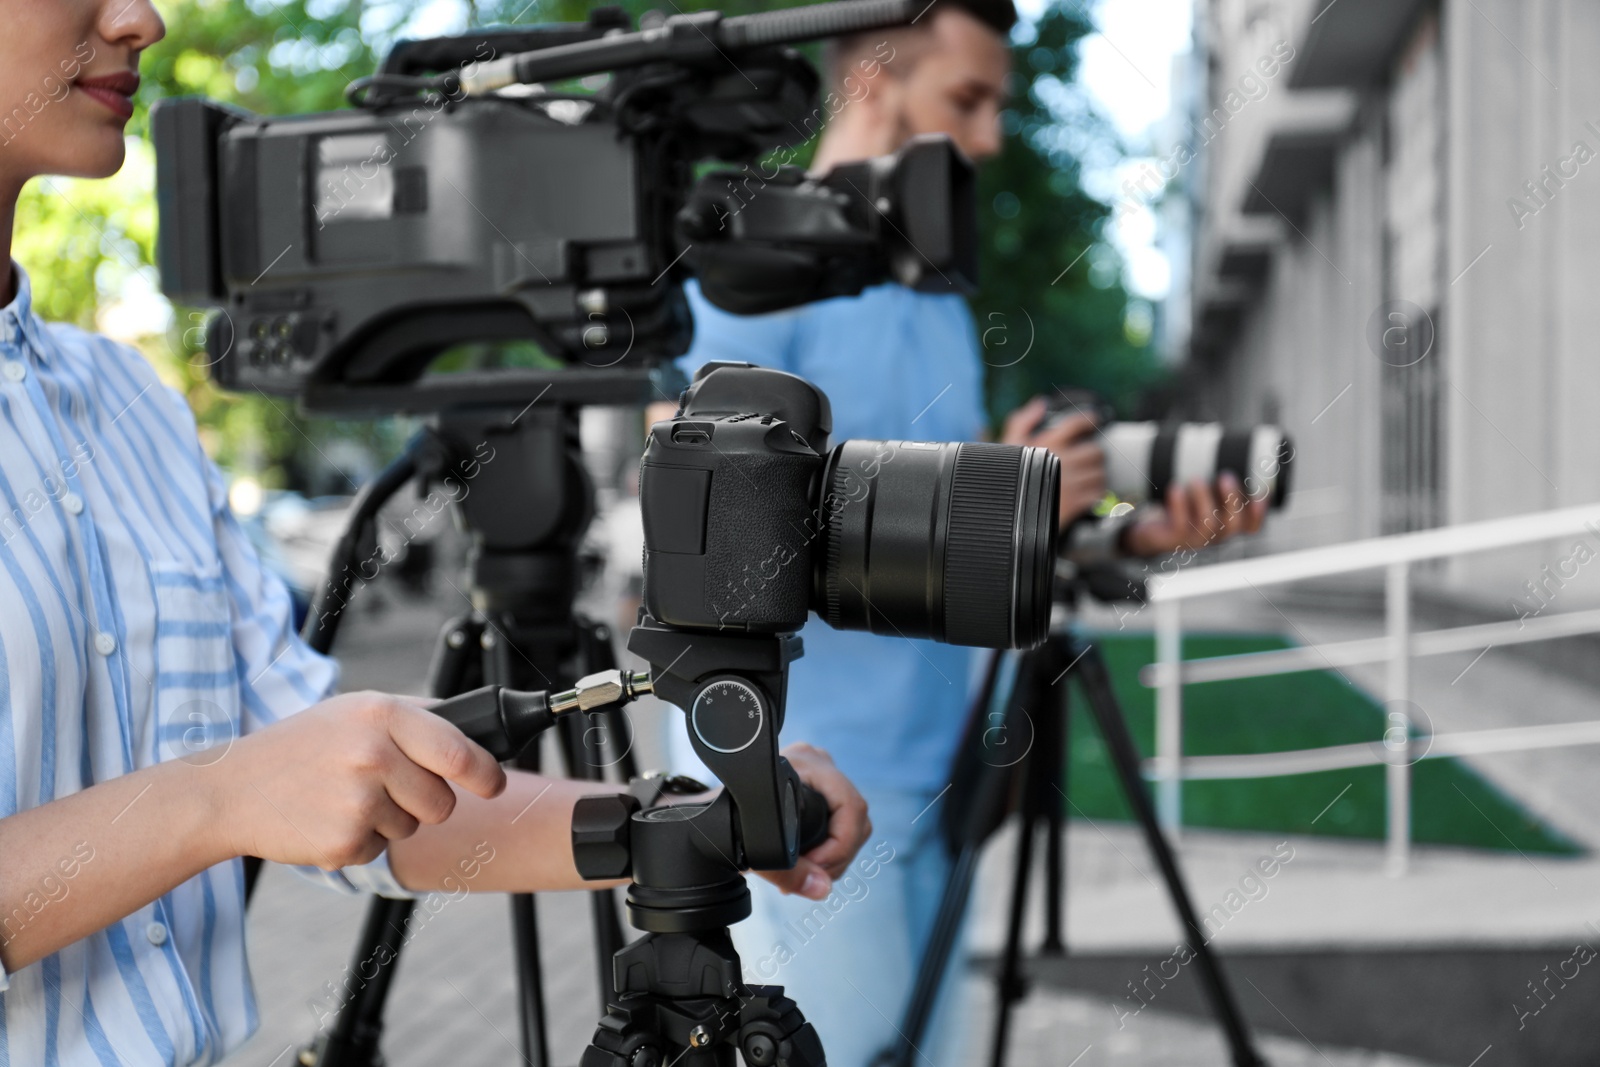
(136,625)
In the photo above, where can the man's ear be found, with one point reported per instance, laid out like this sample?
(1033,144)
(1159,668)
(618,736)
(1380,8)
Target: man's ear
(881,106)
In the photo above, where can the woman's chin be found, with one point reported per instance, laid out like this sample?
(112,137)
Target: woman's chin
(97,156)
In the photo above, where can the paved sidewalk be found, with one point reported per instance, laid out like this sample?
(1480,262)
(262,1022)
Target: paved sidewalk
(453,996)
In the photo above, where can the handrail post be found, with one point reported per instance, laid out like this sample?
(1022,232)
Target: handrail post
(1397,720)
(1169,717)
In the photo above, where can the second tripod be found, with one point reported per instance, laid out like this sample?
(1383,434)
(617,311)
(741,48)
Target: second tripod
(983,791)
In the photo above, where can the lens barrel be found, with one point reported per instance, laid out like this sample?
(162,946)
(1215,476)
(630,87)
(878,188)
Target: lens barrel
(1144,458)
(953,541)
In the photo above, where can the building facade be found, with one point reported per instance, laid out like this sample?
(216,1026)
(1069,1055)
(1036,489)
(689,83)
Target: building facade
(1396,256)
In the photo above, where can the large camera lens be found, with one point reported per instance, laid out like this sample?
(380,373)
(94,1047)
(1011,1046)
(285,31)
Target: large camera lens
(950,541)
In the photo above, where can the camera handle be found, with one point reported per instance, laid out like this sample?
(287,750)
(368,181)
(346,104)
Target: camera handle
(506,721)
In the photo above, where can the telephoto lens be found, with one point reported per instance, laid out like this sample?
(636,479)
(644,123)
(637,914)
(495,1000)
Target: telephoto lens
(949,541)
(1144,459)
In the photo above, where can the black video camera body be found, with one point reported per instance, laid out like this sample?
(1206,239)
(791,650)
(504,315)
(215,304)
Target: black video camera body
(751,521)
(464,200)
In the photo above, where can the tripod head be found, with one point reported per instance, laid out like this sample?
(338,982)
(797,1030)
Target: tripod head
(685,860)
(679,990)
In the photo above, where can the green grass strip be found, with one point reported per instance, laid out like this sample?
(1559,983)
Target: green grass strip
(1451,804)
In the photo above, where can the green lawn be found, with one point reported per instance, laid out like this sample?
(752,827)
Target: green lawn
(1450,804)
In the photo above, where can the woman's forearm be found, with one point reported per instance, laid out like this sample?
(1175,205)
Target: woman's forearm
(520,841)
(76,865)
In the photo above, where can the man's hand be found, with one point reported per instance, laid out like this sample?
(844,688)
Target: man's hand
(1083,461)
(1192,519)
(848,826)
(332,786)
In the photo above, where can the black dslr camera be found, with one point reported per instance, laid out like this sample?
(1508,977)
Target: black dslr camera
(752,520)
(469,198)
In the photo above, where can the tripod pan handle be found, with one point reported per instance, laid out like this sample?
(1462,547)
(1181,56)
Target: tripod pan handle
(503,721)
(813,818)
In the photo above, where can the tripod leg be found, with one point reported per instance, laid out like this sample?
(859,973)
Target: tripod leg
(981,807)
(590,739)
(1102,699)
(935,957)
(501,669)
(1055,728)
(1041,809)
(530,980)
(1010,986)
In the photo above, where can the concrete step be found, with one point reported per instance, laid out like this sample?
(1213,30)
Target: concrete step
(1326,949)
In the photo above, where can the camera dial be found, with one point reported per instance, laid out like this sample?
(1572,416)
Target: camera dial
(727,715)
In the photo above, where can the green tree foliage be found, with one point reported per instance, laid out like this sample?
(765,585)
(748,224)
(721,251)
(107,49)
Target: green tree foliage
(90,245)
(1052,311)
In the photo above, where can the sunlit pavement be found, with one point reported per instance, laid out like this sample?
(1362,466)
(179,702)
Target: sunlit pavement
(453,997)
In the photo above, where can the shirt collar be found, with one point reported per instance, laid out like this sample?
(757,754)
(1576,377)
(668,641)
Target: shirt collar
(16,317)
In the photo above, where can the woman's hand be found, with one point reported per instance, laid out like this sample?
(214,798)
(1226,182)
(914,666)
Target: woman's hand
(332,786)
(848,826)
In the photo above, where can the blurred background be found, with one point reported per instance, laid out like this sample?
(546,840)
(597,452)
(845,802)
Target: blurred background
(1371,222)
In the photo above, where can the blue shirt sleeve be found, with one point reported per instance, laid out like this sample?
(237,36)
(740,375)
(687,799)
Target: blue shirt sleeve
(279,674)
(765,340)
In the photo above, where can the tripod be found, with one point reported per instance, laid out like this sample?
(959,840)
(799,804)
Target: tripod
(678,992)
(525,498)
(981,794)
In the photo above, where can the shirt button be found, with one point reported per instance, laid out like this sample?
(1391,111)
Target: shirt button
(156,933)
(105,644)
(73,503)
(15,370)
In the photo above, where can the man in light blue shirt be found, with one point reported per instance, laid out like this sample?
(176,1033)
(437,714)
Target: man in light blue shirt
(899,364)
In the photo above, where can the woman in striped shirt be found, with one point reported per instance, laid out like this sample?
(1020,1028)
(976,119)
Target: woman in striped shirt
(132,613)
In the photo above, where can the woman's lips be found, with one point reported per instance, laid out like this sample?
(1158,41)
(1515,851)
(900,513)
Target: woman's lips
(115,91)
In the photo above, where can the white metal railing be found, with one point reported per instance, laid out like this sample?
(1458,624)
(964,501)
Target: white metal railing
(1396,750)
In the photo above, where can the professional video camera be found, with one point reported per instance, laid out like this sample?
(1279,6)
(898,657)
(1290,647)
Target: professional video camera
(1144,458)
(467,198)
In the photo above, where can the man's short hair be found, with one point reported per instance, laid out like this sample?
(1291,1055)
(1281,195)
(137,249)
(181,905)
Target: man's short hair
(841,53)
(999,15)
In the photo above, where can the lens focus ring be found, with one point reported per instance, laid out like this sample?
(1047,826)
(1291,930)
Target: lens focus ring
(949,541)
(980,550)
